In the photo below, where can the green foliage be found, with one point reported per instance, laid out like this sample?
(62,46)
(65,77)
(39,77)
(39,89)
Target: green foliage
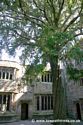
(52,41)
(76,53)
(32,71)
(75,59)
(47,23)
(44,29)
(74,73)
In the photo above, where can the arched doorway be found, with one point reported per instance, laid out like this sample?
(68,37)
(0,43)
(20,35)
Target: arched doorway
(78,111)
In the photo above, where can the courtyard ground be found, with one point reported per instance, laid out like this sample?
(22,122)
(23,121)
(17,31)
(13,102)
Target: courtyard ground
(27,122)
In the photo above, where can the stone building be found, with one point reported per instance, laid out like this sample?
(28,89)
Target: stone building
(27,101)
(74,89)
(75,96)
(35,100)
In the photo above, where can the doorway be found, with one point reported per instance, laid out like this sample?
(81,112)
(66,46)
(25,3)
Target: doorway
(78,111)
(24,111)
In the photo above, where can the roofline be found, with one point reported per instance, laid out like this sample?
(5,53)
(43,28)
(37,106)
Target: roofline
(9,61)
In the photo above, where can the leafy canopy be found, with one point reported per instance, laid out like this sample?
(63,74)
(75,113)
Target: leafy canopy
(43,28)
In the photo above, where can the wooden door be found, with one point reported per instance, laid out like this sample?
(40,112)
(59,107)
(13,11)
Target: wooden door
(24,111)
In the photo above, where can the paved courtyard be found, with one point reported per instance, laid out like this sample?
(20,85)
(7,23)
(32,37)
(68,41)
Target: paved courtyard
(26,123)
(81,123)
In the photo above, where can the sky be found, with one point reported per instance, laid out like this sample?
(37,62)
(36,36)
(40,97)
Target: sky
(6,56)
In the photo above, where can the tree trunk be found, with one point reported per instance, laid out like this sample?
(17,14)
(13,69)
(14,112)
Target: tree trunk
(59,106)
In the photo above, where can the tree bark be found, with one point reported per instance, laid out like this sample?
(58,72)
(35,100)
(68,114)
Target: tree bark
(59,106)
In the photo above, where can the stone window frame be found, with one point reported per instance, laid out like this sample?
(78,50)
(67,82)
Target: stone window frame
(6,75)
(5,99)
(44,102)
(46,77)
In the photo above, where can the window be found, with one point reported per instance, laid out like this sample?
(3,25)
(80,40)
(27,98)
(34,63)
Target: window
(37,103)
(4,99)
(48,101)
(3,75)
(0,99)
(51,102)
(11,76)
(0,74)
(8,102)
(81,81)
(44,102)
(47,77)
(7,75)
(42,78)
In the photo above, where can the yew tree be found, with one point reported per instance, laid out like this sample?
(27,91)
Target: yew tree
(45,30)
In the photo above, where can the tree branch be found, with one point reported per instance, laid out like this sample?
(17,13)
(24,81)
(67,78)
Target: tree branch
(44,11)
(20,35)
(61,4)
(76,35)
(45,15)
(37,6)
(68,17)
(29,17)
(73,20)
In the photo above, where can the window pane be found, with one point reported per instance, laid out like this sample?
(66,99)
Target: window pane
(4,99)
(51,102)
(45,77)
(51,77)
(42,102)
(48,102)
(8,102)
(3,75)
(48,77)
(81,81)
(10,76)
(38,103)
(7,75)
(0,75)
(0,99)
(42,78)
(45,102)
